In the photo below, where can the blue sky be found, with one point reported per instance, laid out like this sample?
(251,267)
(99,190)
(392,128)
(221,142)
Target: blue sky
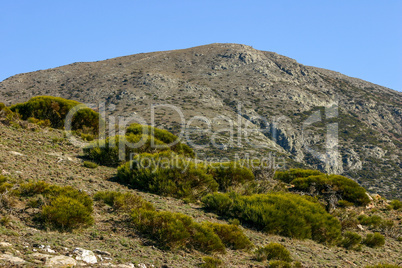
(358,38)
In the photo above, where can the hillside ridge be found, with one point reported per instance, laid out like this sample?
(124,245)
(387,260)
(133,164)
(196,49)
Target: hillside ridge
(276,96)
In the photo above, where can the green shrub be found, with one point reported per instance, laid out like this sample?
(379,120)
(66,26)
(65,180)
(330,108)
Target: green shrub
(278,213)
(350,190)
(218,202)
(396,204)
(89,164)
(289,175)
(374,240)
(167,174)
(67,213)
(372,222)
(117,149)
(4,184)
(279,264)
(176,230)
(351,240)
(122,201)
(231,235)
(230,174)
(211,262)
(55,110)
(272,251)
(50,192)
(162,135)
(68,208)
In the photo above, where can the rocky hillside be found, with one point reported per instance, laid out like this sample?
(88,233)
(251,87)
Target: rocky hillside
(255,102)
(33,158)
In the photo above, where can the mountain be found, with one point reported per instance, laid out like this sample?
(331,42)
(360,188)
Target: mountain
(246,101)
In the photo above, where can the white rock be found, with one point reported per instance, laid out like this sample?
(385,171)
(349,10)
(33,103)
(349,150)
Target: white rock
(360,227)
(5,245)
(16,153)
(11,258)
(85,255)
(49,250)
(60,261)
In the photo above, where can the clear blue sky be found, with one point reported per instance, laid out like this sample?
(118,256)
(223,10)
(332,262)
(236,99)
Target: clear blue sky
(358,38)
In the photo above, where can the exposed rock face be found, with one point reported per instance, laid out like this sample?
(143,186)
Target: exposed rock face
(315,117)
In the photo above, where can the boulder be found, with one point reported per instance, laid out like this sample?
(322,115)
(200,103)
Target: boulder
(60,261)
(12,259)
(85,255)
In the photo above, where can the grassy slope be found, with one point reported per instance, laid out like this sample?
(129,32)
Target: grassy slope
(47,156)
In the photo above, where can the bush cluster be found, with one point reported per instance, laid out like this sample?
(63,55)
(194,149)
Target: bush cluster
(231,235)
(273,251)
(163,135)
(284,214)
(67,213)
(170,174)
(289,175)
(230,174)
(114,150)
(176,230)
(158,174)
(55,110)
(64,208)
(348,189)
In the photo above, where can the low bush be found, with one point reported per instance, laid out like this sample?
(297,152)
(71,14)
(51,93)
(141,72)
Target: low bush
(230,174)
(67,207)
(348,189)
(351,240)
(176,230)
(231,235)
(374,240)
(167,174)
(122,201)
(211,262)
(89,164)
(55,110)
(218,202)
(284,214)
(163,135)
(67,213)
(291,174)
(6,115)
(375,222)
(396,204)
(117,149)
(272,251)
